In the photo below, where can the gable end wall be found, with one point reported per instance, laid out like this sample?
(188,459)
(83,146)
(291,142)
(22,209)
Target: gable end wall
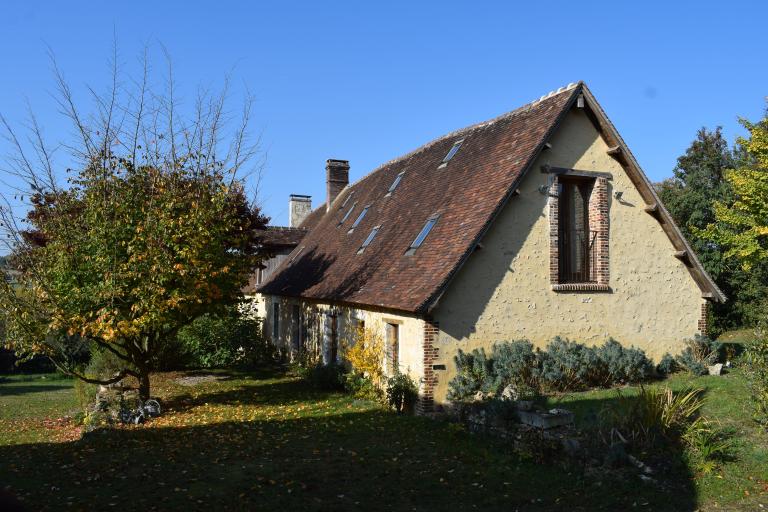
(504,291)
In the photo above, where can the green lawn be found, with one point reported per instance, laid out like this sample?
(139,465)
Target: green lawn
(266,441)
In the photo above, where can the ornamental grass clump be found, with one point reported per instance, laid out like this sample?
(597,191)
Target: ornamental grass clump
(699,354)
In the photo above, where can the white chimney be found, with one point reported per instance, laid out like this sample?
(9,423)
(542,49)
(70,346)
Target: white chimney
(298,208)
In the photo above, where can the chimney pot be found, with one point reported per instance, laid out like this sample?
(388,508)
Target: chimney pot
(337,173)
(298,208)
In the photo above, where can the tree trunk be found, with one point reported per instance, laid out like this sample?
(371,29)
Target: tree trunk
(144,385)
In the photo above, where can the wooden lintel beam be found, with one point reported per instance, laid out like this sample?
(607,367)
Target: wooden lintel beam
(548,169)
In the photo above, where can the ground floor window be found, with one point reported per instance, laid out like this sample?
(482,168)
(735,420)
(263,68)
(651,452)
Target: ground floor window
(393,348)
(297,333)
(275,321)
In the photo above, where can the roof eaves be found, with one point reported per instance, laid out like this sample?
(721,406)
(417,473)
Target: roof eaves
(703,279)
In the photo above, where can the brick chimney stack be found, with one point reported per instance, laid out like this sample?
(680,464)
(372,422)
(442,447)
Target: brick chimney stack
(337,172)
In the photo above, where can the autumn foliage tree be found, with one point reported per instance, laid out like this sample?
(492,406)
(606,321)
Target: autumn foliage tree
(150,229)
(741,225)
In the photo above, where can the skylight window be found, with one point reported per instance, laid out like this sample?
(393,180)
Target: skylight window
(359,218)
(369,239)
(301,249)
(422,235)
(395,183)
(451,153)
(346,215)
(346,200)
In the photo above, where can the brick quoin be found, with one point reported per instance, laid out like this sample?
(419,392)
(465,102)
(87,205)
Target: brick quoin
(704,319)
(426,402)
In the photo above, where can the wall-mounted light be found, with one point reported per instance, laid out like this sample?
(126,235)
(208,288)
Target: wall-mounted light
(618,194)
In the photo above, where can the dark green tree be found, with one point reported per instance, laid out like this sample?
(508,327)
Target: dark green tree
(699,182)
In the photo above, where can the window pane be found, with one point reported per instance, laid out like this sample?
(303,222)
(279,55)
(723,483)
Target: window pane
(360,217)
(574,234)
(395,183)
(346,215)
(369,239)
(453,151)
(423,233)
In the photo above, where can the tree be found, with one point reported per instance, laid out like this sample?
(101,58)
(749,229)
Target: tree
(698,184)
(741,225)
(151,229)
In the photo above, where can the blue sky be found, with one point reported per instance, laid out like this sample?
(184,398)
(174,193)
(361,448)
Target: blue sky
(369,81)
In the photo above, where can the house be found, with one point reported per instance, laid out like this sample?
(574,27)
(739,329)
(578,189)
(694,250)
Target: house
(536,224)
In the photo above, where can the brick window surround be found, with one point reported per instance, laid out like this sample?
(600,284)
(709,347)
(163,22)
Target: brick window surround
(426,401)
(598,222)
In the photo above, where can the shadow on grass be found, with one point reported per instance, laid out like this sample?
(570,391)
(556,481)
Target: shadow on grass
(346,460)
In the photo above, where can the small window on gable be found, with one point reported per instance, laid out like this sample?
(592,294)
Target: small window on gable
(346,215)
(359,218)
(422,235)
(395,183)
(369,239)
(451,153)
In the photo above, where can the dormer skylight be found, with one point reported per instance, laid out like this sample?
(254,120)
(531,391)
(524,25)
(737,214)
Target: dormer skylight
(359,218)
(369,239)
(451,153)
(422,235)
(346,200)
(395,183)
(346,215)
(301,249)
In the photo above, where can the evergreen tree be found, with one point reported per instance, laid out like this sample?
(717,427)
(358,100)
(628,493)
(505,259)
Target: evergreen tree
(698,184)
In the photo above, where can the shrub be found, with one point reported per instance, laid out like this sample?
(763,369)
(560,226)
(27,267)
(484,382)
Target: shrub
(361,387)
(366,355)
(668,365)
(104,364)
(699,353)
(474,373)
(624,364)
(567,366)
(514,363)
(401,393)
(223,341)
(755,362)
(326,377)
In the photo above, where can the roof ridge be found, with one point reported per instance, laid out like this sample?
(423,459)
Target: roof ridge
(483,124)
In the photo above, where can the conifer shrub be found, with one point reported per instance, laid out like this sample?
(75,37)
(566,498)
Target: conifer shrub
(474,373)
(563,366)
(668,365)
(624,365)
(569,366)
(514,363)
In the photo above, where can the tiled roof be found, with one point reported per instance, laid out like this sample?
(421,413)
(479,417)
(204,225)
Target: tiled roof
(282,236)
(467,193)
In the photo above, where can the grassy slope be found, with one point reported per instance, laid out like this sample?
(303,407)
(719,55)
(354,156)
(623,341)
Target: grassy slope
(743,482)
(270,442)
